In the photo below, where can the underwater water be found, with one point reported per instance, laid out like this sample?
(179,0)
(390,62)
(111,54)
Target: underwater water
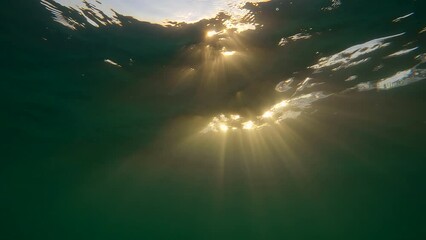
(224,119)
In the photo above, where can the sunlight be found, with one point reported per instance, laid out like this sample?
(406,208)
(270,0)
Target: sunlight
(212,33)
(228,53)
(281,104)
(248,125)
(224,128)
(268,114)
(222,51)
(235,117)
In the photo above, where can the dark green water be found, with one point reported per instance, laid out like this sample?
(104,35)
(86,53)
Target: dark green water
(90,150)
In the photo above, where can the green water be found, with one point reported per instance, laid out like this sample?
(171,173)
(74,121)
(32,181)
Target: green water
(94,151)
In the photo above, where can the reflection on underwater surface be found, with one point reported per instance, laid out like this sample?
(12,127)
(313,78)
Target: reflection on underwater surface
(165,12)
(347,58)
